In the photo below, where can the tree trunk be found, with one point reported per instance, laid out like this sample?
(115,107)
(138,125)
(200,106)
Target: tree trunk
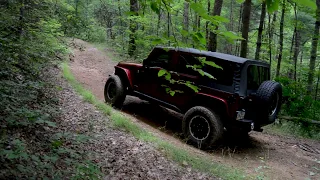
(294,47)
(301,58)
(207,23)
(270,38)
(21,19)
(314,46)
(262,17)
(132,27)
(158,23)
(281,38)
(245,27)
(213,36)
(186,20)
(195,20)
(230,45)
(317,86)
(168,27)
(296,54)
(237,51)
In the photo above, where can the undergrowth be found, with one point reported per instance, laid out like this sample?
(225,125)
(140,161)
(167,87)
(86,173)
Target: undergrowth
(177,154)
(294,129)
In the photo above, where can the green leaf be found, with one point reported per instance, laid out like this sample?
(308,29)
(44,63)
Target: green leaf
(155,7)
(168,76)
(198,8)
(272,5)
(231,36)
(156,41)
(130,13)
(221,19)
(193,87)
(172,93)
(35,158)
(210,63)
(306,3)
(12,156)
(162,72)
(50,123)
(201,39)
(200,71)
(56,143)
(184,33)
(240,1)
(209,75)
(168,90)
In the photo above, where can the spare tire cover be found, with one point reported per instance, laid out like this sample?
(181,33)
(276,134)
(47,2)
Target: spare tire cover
(269,97)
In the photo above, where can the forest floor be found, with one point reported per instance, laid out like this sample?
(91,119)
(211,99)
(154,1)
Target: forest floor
(264,155)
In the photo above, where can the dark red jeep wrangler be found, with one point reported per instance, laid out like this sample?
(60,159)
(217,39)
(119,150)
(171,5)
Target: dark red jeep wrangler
(239,97)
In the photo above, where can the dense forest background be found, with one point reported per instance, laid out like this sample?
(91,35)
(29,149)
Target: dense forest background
(284,33)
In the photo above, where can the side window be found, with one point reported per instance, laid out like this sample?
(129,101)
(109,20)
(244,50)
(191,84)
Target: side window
(256,75)
(159,60)
(185,60)
(222,76)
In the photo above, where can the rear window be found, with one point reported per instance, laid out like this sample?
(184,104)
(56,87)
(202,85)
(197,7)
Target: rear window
(256,75)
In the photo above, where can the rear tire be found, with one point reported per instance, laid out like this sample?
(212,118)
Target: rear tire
(114,91)
(202,127)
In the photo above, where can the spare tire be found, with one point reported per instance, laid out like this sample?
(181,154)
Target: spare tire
(269,96)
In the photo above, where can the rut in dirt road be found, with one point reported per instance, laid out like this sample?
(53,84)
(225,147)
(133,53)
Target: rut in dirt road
(261,154)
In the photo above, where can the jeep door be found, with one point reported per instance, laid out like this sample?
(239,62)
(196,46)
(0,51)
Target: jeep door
(148,82)
(180,71)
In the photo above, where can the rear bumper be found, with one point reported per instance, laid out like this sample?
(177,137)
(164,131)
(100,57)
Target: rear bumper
(248,125)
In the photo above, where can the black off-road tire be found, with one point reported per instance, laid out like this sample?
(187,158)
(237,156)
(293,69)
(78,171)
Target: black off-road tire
(269,97)
(118,95)
(212,120)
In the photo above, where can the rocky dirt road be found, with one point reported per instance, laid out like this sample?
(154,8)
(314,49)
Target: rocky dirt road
(264,155)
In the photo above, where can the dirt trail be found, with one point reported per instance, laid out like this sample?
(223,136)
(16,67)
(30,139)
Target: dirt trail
(261,154)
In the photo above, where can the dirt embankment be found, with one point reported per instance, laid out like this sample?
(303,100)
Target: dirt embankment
(265,155)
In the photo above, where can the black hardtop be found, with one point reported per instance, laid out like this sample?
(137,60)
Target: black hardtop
(216,55)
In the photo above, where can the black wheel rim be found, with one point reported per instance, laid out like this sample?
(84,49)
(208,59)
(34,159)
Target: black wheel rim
(199,128)
(274,104)
(111,90)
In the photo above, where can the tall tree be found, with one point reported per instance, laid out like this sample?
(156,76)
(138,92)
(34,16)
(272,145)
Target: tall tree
(245,27)
(212,46)
(229,46)
(314,46)
(186,18)
(262,17)
(207,23)
(133,27)
(237,50)
(281,38)
(295,47)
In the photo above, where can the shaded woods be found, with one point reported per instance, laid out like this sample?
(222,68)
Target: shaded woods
(283,33)
(34,33)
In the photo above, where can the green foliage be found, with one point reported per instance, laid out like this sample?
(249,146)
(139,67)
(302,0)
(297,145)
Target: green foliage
(31,146)
(272,5)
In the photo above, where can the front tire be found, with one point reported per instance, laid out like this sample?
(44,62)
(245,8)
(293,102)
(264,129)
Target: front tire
(202,127)
(114,91)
